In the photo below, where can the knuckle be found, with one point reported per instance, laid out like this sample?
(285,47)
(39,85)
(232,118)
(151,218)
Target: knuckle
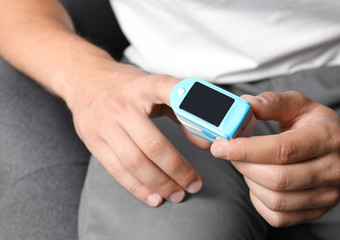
(334,175)
(334,196)
(81,124)
(301,99)
(277,220)
(116,172)
(281,181)
(116,104)
(297,95)
(285,153)
(183,172)
(92,141)
(239,153)
(100,122)
(276,202)
(165,187)
(164,184)
(136,188)
(132,162)
(337,175)
(158,81)
(155,148)
(275,97)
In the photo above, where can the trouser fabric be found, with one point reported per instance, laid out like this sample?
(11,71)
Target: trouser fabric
(42,162)
(222,210)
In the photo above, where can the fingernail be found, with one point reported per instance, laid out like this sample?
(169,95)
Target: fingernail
(195,186)
(220,152)
(154,200)
(177,196)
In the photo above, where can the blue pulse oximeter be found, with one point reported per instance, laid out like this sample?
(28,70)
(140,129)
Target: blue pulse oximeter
(211,112)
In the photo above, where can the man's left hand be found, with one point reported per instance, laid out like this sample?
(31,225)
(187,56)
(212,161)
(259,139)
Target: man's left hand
(293,176)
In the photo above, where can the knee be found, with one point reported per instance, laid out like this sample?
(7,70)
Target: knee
(212,218)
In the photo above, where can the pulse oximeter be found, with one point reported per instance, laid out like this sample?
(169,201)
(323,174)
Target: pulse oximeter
(211,112)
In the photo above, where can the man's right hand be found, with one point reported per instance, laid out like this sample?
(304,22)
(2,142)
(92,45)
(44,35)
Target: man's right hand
(111,102)
(112,117)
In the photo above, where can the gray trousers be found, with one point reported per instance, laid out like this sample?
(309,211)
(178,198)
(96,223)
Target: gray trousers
(43,166)
(222,210)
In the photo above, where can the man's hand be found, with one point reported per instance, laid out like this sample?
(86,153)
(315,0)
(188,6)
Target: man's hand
(293,176)
(111,102)
(112,117)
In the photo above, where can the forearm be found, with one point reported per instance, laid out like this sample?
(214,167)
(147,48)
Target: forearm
(37,37)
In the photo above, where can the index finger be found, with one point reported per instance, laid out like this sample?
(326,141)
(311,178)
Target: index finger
(160,151)
(160,88)
(288,147)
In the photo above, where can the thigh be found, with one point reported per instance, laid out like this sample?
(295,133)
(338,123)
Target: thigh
(222,210)
(42,162)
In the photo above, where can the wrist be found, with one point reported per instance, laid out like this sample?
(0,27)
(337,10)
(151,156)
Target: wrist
(83,77)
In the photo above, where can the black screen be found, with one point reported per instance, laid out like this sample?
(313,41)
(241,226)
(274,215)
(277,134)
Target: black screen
(207,103)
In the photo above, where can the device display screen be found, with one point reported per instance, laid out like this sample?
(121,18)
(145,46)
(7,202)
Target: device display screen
(206,103)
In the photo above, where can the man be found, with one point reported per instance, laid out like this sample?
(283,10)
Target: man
(292,177)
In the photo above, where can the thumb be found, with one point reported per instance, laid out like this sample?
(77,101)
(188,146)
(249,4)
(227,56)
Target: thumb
(280,106)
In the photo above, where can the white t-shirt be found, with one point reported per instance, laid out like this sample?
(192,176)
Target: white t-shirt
(227,41)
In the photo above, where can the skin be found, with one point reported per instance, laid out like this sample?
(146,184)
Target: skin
(293,176)
(112,104)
